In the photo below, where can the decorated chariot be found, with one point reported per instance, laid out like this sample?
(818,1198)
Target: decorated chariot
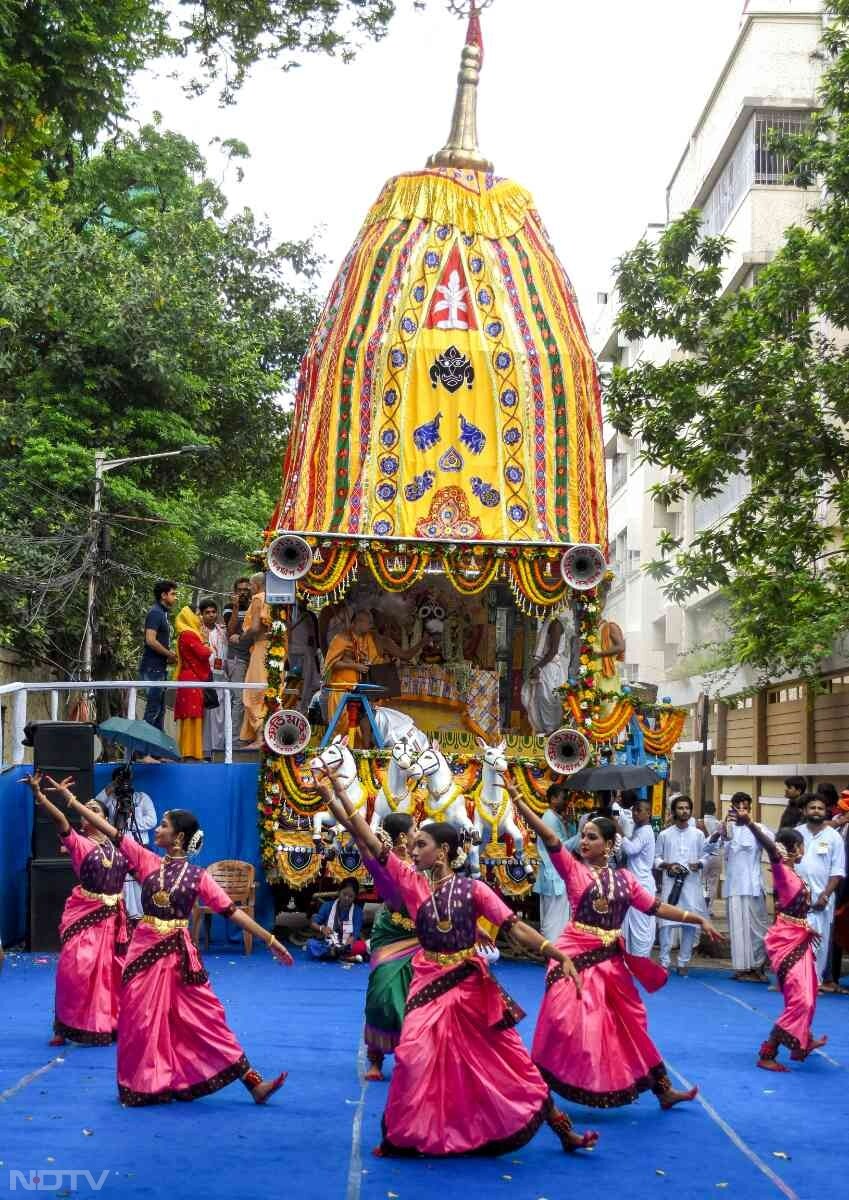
(445,474)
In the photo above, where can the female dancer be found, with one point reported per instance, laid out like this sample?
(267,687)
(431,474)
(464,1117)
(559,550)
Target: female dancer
(593,1046)
(194,658)
(790,946)
(173,1040)
(393,943)
(458,1039)
(93,931)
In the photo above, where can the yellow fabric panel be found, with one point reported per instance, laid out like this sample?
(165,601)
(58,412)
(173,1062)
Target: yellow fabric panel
(383,441)
(458,198)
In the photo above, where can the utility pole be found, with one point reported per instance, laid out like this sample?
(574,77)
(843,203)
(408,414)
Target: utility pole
(94,555)
(102,464)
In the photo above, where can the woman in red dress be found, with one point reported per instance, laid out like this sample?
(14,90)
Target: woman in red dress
(593,1046)
(174,1042)
(193,662)
(463,1082)
(93,930)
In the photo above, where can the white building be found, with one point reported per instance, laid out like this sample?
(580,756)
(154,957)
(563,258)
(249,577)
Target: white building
(727,170)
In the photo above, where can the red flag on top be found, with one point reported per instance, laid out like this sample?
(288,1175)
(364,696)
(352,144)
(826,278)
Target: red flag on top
(474,37)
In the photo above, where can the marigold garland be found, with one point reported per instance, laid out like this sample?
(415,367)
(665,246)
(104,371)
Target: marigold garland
(336,568)
(540,580)
(670,727)
(381,565)
(474,586)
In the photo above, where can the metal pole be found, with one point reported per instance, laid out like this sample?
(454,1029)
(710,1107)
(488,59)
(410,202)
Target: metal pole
(94,552)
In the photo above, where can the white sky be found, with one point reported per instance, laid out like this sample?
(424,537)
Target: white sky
(588,105)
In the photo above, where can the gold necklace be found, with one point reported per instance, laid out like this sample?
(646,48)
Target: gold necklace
(443,924)
(601,903)
(100,843)
(162,897)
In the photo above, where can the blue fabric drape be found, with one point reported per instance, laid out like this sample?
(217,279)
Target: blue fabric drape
(223,798)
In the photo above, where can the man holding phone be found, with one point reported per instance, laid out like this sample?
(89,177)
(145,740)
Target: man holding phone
(748,921)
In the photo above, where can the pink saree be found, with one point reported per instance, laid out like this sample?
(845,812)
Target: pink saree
(174,1042)
(789,944)
(595,1048)
(463,1082)
(94,936)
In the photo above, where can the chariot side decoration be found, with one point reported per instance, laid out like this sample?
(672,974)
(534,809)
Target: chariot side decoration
(446,474)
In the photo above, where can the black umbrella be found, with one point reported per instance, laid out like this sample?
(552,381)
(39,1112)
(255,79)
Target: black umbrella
(612,778)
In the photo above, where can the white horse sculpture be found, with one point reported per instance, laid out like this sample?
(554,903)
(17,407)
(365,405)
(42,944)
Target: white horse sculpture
(445,801)
(337,761)
(494,811)
(405,740)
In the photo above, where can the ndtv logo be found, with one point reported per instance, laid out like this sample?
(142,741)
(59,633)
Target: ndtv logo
(51,1181)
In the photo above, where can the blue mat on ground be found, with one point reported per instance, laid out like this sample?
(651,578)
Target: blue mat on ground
(755,1136)
(222,798)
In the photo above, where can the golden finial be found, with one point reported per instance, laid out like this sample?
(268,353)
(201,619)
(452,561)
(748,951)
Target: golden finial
(461,149)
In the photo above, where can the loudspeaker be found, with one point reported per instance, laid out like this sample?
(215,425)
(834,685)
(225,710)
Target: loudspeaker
(63,745)
(61,748)
(50,884)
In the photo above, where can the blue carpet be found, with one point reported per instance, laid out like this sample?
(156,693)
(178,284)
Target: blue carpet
(308,1020)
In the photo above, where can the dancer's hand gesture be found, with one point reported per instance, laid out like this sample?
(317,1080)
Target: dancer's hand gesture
(280,952)
(63,787)
(712,932)
(33,782)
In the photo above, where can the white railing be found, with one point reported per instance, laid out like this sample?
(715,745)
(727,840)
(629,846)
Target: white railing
(20,691)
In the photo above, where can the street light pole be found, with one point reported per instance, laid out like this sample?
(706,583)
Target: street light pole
(94,546)
(102,464)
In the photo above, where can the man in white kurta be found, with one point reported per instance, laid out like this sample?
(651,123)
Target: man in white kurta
(748,921)
(639,853)
(681,844)
(822,867)
(554,910)
(550,671)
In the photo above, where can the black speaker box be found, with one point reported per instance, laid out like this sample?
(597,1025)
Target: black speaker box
(50,884)
(63,745)
(61,748)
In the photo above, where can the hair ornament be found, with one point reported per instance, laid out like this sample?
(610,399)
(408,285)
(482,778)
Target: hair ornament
(195,843)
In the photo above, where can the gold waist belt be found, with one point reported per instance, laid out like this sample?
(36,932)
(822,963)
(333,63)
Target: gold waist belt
(800,921)
(405,922)
(606,936)
(108,898)
(161,926)
(450,960)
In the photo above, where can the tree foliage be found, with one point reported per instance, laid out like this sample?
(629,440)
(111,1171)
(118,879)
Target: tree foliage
(137,317)
(761,390)
(66,66)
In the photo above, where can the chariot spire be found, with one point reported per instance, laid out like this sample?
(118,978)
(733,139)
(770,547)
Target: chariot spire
(461,149)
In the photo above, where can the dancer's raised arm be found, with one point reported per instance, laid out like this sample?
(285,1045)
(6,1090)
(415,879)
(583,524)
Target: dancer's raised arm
(343,811)
(547,835)
(760,835)
(33,782)
(93,818)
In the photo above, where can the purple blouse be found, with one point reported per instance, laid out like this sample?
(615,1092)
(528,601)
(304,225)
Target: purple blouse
(194,884)
(100,867)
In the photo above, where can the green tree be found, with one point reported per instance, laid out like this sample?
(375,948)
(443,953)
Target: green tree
(138,317)
(66,65)
(763,391)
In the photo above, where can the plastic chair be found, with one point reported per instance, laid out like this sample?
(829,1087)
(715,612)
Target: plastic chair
(238,879)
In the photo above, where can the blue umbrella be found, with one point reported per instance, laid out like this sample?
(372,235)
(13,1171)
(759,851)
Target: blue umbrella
(139,736)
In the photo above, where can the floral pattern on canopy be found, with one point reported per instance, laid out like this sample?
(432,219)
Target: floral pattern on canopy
(449,392)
